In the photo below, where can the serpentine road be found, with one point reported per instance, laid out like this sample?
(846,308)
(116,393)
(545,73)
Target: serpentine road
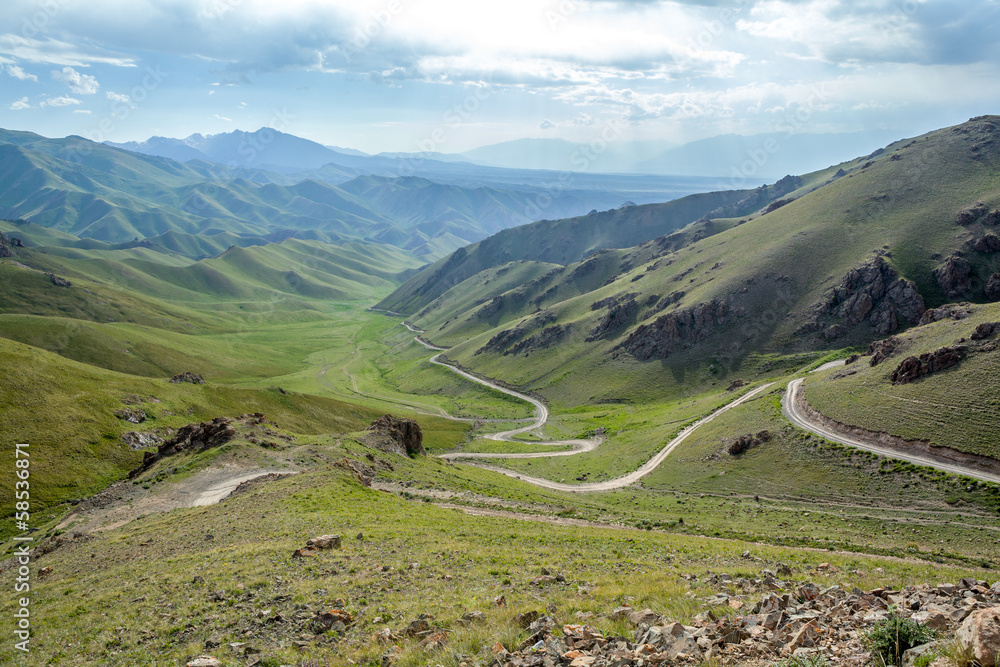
(578,446)
(795,415)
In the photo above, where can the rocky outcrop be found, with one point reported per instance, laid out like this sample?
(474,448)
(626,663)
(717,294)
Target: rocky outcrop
(985,330)
(914,368)
(880,350)
(676,331)
(955,277)
(57,281)
(503,340)
(949,311)
(747,442)
(993,287)
(979,212)
(131,415)
(8,245)
(987,244)
(188,376)
(617,318)
(872,294)
(545,338)
(139,440)
(197,437)
(397,435)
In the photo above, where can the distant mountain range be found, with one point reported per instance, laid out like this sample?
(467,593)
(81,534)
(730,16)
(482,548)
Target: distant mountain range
(114,195)
(752,158)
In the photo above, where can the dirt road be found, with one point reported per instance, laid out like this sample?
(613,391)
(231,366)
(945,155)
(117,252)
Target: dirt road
(795,415)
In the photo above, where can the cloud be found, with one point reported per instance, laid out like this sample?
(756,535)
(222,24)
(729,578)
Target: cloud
(83,111)
(20,104)
(118,97)
(50,51)
(18,73)
(547,124)
(60,102)
(81,84)
(222,118)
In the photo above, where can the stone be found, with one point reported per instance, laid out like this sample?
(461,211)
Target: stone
(57,281)
(932,619)
(188,376)
(197,437)
(203,661)
(139,440)
(324,542)
(914,368)
(954,277)
(980,635)
(397,435)
(993,287)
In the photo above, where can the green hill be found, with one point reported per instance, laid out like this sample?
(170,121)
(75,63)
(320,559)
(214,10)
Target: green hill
(854,253)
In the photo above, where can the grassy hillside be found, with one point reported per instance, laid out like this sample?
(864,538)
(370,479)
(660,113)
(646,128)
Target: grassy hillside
(827,267)
(956,407)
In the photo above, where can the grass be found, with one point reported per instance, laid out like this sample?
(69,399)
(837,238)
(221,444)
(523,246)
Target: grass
(97,610)
(948,409)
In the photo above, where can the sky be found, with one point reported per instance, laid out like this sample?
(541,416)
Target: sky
(451,75)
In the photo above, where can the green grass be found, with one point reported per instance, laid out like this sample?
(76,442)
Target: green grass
(953,408)
(98,611)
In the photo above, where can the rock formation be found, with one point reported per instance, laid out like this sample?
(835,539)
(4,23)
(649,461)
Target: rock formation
(397,435)
(955,277)
(993,287)
(193,436)
(676,331)
(872,293)
(914,368)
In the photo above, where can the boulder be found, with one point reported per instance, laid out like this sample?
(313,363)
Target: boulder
(324,542)
(203,661)
(57,281)
(980,635)
(993,287)
(187,376)
(139,440)
(987,244)
(985,330)
(914,368)
(955,277)
(397,435)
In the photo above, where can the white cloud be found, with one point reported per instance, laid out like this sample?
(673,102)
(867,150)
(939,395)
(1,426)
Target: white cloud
(20,104)
(223,118)
(60,102)
(117,97)
(81,84)
(83,111)
(18,73)
(50,51)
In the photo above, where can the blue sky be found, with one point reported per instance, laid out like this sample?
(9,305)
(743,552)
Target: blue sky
(450,75)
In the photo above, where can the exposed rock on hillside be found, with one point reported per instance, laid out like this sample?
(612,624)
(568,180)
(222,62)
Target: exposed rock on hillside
(880,350)
(914,368)
(955,277)
(193,436)
(978,212)
(188,376)
(987,244)
(397,435)
(57,281)
(545,338)
(748,441)
(985,330)
(503,340)
(8,244)
(953,311)
(139,440)
(872,293)
(676,331)
(617,318)
(993,287)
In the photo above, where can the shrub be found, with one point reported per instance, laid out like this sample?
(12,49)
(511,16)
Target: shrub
(892,637)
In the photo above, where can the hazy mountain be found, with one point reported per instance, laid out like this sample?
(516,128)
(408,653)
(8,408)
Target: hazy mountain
(561,155)
(763,155)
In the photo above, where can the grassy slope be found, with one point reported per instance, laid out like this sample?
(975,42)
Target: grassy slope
(97,610)
(953,408)
(776,266)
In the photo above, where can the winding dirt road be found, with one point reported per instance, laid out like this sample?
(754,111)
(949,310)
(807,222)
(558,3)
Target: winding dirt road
(800,419)
(578,446)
